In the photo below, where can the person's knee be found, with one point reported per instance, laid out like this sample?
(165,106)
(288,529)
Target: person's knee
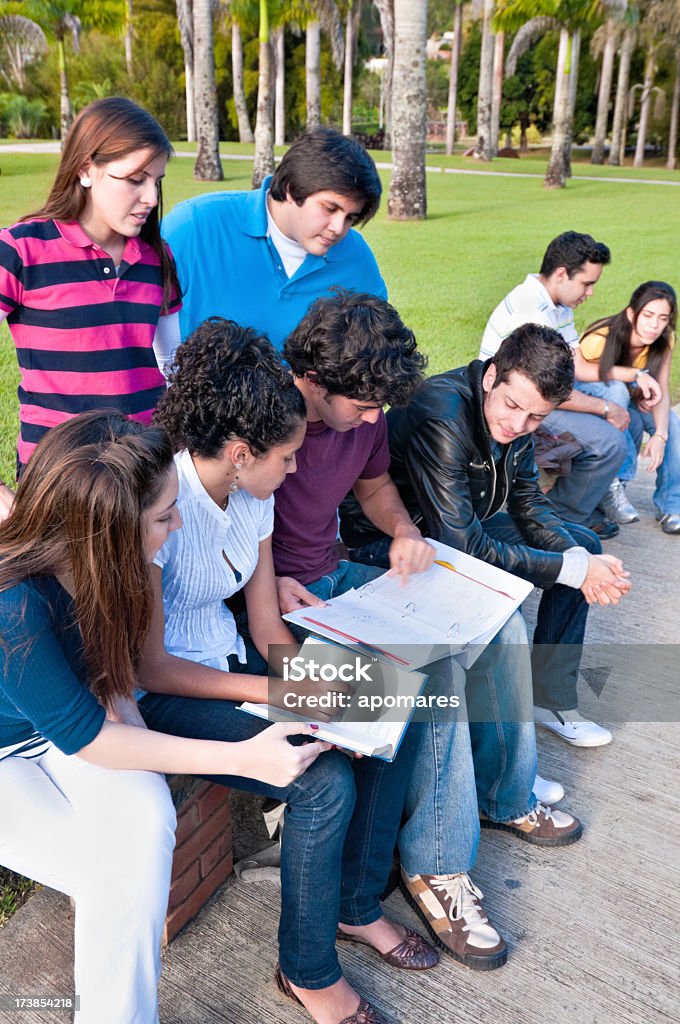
(514,631)
(618,392)
(327,789)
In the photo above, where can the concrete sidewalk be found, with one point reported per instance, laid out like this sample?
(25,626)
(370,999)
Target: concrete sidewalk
(592,929)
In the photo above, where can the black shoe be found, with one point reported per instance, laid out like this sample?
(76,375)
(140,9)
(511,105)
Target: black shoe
(604,528)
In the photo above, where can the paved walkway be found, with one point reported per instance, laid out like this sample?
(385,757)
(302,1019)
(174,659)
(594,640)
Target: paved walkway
(55,147)
(592,929)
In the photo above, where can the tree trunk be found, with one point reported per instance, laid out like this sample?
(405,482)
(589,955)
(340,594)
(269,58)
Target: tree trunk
(65,97)
(604,94)
(618,146)
(263,163)
(349,62)
(129,61)
(207,166)
(190,101)
(645,105)
(523,137)
(245,132)
(675,109)
(451,113)
(407,199)
(386,12)
(497,90)
(485,88)
(555,176)
(571,109)
(278,46)
(313,73)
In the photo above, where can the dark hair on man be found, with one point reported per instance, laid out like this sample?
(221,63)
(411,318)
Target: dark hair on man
(620,329)
(228,382)
(356,345)
(541,354)
(324,160)
(571,250)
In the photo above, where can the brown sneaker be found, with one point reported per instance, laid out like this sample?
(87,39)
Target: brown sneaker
(543,826)
(450,906)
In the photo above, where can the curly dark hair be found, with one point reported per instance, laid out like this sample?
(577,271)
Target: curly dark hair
(541,354)
(229,382)
(571,250)
(356,345)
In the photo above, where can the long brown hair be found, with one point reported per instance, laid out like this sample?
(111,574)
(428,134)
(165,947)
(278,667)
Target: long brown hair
(106,130)
(78,512)
(616,350)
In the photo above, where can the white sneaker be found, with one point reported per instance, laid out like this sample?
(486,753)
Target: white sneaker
(617,506)
(547,792)
(572,727)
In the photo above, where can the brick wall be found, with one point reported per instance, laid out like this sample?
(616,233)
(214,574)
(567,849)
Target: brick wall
(203,854)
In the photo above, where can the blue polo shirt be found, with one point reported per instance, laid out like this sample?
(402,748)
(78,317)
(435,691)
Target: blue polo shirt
(227,265)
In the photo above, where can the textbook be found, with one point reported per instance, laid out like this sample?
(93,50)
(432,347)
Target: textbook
(453,609)
(369,700)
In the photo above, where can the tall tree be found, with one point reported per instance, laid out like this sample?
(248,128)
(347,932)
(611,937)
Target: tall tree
(352,19)
(185,23)
(208,166)
(407,199)
(483,145)
(675,113)
(263,164)
(245,131)
(321,14)
(619,120)
(451,110)
(604,42)
(64,19)
(386,11)
(279,54)
(129,37)
(497,89)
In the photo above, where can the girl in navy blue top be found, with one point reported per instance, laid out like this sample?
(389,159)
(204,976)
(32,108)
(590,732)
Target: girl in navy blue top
(95,504)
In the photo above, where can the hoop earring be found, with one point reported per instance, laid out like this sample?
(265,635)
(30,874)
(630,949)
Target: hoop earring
(233,486)
(86,181)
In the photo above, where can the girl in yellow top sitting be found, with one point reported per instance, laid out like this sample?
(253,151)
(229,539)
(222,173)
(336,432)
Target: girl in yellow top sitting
(626,358)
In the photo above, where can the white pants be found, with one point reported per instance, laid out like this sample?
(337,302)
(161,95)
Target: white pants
(105,838)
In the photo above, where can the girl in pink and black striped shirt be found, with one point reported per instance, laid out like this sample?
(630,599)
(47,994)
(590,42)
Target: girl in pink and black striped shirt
(86,284)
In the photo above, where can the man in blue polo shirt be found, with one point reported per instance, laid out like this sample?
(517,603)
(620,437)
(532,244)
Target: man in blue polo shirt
(262,258)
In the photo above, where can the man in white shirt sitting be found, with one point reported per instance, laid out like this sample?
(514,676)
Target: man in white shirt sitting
(571,268)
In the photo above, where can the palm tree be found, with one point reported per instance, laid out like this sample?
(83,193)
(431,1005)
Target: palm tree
(453,77)
(604,43)
(208,166)
(322,14)
(619,120)
(661,25)
(352,19)
(675,112)
(245,131)
(63,18)
(263,164)
(483,146)
(185,22)
(407,199)
(532,17)
(497,89)
(22,41)
(385,9)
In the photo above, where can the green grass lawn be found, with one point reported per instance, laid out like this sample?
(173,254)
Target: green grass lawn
(445,275)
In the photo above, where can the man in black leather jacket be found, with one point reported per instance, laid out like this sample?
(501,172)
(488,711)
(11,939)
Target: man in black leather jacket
(462,459)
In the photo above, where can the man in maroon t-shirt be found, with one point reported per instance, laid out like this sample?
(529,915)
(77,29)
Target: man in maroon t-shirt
(350,356)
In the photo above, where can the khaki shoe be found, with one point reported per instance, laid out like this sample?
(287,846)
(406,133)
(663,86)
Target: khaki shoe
(544,826)
(450,907)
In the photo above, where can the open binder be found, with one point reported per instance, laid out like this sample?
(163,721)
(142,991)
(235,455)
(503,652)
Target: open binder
(453,609)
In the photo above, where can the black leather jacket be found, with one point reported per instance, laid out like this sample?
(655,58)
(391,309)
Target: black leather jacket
(446,475)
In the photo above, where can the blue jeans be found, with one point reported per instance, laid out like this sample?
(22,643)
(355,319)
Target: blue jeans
(340,831)
(488,764)
(560,623)
(667,493)
(576,496)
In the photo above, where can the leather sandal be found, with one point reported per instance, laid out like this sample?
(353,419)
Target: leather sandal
(365,1013)
(413,953)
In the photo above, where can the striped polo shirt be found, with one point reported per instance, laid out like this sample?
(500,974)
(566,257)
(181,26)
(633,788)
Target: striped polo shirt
(528,303)
(83,333)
